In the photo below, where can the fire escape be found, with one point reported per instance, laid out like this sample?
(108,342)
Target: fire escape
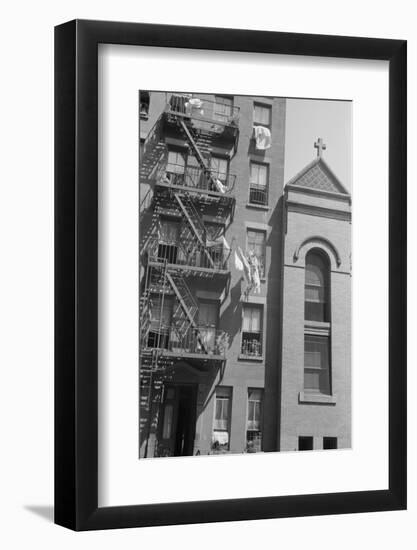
(169,327)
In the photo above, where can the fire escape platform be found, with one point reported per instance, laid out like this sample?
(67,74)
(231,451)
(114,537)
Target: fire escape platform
(201,118)
(205,359)
(194,270)
(199,191)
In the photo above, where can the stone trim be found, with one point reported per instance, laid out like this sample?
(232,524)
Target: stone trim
(319,398)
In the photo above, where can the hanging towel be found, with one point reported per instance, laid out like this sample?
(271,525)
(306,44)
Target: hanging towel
(263,137)
(196,106)
(255,275)
(225,243)
(246,266)
(238,262)
(220,187)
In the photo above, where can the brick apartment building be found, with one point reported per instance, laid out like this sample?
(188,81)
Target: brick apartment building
(226,366)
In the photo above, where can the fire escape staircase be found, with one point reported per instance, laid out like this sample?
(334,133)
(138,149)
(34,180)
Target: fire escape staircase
(184,315)
(196,233)
(203,142)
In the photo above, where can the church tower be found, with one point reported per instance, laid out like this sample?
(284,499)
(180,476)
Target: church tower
(315,383)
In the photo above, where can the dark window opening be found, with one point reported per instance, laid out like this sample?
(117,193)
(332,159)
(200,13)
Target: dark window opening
(144,102)
(329,442)
(305,443)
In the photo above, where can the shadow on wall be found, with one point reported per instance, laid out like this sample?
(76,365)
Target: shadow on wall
(230,320)
(273,335)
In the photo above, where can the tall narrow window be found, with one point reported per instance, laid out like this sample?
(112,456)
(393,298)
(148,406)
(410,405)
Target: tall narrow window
(316,364)
(169,232)
(252,331)
(223,108)
(316,288)
(208,316)
(175,168)
(261,115)
(258,185)
(144,102)
(193,172)
(160,322)
(220,168)
(256,244)
(221,424)
(254,423)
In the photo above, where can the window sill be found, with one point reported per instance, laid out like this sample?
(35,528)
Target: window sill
(257,206)
(143,116)
(321,398)
(257,358)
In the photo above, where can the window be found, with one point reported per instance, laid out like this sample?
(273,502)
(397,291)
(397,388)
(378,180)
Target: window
(168,241)
(261,115)
(220,168)
(175,168)
(258,185)
(305,443)
(252,331)
(144,102)
(329,442)
(254,426)
(208,316)
(256,243)
(223,108)
(193,172)
(316,288)
(316,364)
(221,425)
(161,314)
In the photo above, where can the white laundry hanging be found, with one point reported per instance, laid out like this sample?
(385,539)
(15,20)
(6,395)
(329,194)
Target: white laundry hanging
(263,137)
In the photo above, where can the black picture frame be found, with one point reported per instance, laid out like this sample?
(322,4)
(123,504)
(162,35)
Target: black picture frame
(76,272)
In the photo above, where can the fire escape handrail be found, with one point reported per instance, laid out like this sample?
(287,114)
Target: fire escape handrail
(203,109)
(176,174)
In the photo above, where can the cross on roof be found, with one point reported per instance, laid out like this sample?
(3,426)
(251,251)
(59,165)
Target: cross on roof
(320,146)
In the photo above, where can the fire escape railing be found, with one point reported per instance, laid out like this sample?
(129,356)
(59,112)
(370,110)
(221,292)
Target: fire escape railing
(194,177)
(188,255)
(203,109)
(199,340)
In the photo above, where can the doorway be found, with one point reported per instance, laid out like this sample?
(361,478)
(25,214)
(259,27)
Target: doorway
(177,423)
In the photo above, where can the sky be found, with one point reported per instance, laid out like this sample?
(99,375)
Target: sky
(309,119)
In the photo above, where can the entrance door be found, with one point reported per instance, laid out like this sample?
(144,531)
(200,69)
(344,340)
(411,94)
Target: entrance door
(177,423)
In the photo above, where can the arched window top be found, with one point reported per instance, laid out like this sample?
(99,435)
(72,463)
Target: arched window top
(319,244)
(317,268)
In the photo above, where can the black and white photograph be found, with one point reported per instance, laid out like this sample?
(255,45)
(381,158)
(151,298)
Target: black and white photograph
(245,266)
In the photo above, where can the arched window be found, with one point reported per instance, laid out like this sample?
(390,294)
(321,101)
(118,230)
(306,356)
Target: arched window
(317,356)
(316,299)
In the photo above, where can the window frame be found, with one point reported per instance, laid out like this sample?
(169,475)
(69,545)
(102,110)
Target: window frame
(256,186)
(228,117)
(228,391)
(261,332)
(324,336)
(262,273)
(262,106)
(325,287)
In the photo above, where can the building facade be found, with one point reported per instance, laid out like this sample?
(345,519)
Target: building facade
(226,365)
